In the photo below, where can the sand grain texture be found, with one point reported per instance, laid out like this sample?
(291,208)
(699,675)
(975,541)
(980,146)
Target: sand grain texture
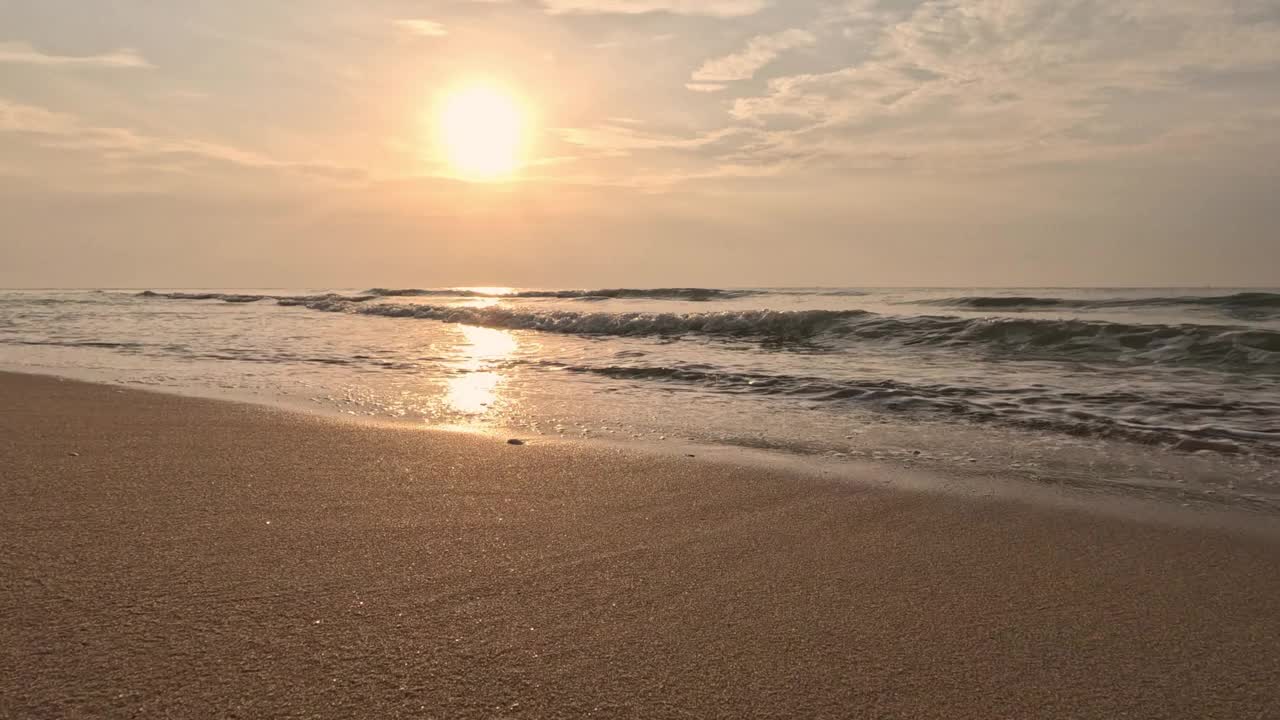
(208,559)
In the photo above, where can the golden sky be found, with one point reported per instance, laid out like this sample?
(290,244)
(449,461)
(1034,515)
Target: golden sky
(639,142)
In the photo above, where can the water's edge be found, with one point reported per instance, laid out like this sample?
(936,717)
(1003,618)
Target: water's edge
(1110,497)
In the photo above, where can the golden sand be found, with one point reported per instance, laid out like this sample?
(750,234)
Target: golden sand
(173,557)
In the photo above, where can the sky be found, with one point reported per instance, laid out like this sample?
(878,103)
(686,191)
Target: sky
(296,143)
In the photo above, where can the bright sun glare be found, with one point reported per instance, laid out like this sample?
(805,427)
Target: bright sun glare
(482,131)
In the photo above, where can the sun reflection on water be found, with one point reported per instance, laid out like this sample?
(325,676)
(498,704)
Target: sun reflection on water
(475,388)
(494,291)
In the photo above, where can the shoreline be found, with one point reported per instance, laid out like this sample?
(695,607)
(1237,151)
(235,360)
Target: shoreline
(1179,505)
(169,556)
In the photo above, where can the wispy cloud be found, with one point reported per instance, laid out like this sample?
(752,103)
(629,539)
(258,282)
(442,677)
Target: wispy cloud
(422,28)
(21,53)
(18,117)
(122,146)
(760,51)
(619,139)
(708,8)
(705,87)
(999,82)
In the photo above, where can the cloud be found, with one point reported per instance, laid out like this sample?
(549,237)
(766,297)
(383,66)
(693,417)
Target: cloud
(16,117)
(422,28)
(709,8)
(20,53)
(622,138)
(997,82)
(121,147)
(705,87)
(760,51)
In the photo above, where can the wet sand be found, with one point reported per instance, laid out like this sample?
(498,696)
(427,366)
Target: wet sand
(175,557)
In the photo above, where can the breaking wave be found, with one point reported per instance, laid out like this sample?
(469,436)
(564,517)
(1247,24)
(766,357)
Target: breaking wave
(287,300)
(687,294)
(1259,302)
(693,294)
(1228,347)
(225,297)
(1078,340)
(769,324)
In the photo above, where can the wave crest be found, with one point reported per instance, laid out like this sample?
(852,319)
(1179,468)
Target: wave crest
(1227,347)
(1241,301)
(692,294)
(774,324)
(286,300)
(1078,340)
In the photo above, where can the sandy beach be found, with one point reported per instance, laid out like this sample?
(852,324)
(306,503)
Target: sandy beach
(174,557)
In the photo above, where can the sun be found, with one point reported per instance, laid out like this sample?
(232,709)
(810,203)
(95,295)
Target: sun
(482,132)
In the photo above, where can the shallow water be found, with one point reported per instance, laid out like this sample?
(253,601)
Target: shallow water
(1148,389)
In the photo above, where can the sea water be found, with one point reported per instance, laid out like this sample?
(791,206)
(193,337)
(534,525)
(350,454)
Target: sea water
(1158,391)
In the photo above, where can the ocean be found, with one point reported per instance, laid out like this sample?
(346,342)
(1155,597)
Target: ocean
(1163,392)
